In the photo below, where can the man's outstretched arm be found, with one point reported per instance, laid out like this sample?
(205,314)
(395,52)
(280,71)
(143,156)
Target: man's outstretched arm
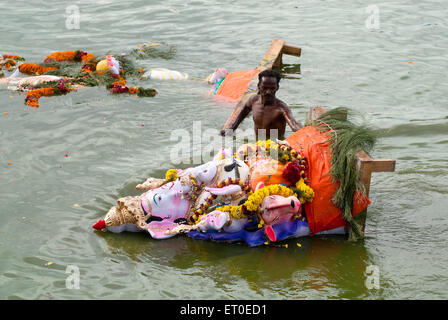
(294,125)
(241,116)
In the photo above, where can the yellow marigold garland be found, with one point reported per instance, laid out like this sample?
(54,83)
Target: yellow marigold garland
(306,192)
(266,147)
(254,201)
(171,175)
(235,211)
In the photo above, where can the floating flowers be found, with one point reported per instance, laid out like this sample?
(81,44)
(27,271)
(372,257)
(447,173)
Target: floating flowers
(32,68)
(13,57)
(33,96)
(65,64)
(120,87)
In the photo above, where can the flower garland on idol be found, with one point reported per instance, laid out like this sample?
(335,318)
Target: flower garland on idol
(295,173)
(269,148)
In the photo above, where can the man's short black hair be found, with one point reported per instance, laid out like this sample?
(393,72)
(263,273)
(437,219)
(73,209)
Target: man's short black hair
(269,73)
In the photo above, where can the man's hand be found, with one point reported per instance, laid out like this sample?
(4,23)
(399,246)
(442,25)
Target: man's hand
(226,132)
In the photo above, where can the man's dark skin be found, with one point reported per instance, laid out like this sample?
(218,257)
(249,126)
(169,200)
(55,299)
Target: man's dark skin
(268,112)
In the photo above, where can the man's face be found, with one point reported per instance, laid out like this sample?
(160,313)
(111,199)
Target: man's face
(267,88)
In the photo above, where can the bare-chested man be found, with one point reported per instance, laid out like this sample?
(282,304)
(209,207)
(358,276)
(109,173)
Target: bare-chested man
(269,113)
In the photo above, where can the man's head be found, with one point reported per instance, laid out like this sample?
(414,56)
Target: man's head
(268,81)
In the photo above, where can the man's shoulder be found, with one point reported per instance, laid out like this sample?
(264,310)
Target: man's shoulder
(253,98)
(281,104)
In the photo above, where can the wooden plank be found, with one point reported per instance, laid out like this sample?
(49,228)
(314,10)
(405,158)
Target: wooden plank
(315,112)
(291,50)
(365,173)
(378,165)
(268,61)
(274,51)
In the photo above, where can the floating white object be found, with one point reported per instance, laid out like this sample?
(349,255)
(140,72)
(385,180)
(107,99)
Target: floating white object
(33,80)
(165,74)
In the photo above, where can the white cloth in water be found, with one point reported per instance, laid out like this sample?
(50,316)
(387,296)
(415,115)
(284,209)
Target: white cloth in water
(165,74)
(34,80)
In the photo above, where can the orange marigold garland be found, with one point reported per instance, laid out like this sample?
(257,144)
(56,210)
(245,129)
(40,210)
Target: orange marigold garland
(9,64)
(13,57)
(120,87)
(61,56)
(32,68)
(32,96)
(76,56)
(9,61)
(88,76)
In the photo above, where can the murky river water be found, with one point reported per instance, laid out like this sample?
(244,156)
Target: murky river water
(64,164)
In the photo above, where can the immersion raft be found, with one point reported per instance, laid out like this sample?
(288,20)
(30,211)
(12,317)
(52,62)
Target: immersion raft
(316,182)
(265,192)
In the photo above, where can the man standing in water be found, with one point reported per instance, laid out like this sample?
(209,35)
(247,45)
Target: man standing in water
(269,113)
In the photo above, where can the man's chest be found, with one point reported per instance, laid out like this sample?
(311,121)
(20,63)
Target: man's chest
(266,114)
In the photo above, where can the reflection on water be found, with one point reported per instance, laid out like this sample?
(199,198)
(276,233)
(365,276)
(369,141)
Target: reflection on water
(295,267)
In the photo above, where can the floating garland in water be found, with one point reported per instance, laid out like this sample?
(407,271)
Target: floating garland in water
(32,96)
(65,64)
(88,59)
(13,57)
(9,61)
(35,69)
(120,87)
